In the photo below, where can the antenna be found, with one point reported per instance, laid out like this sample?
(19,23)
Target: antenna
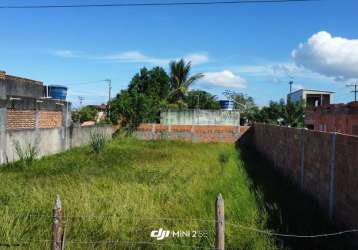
(81,98)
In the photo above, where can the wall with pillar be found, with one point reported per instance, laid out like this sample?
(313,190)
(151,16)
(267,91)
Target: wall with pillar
(193,133)
(47,141)
(2,135)
(324,165)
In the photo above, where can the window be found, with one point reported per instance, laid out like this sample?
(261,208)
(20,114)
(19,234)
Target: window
(310,126)
(323,127)
(355,129)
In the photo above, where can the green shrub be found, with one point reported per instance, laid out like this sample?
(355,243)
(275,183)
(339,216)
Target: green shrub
(27,153)
(224,158)
(98,140)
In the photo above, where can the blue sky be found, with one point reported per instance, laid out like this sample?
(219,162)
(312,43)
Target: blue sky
(247,47)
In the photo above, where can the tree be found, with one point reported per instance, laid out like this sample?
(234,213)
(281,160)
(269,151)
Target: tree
(153,83)
(290,114)
(180,79)
(201,99)
(147,93)
(84,114)
(244,103)
(294,114)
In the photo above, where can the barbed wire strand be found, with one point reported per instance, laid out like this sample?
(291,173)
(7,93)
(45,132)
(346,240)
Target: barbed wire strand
(111,215)
(293,235)
(27,242)
(205,220)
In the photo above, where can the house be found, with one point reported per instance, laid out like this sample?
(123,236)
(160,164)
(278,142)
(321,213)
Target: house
(25,104)
(311,98)
(101,111)
(341,118)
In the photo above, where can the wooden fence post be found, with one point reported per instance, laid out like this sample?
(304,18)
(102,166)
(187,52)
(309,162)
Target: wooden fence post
(220,223)
(56,225)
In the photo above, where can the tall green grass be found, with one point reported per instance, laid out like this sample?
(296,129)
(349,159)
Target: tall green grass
(126,192)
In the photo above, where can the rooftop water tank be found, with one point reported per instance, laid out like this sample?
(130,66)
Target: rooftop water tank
(226,104)
(57,92)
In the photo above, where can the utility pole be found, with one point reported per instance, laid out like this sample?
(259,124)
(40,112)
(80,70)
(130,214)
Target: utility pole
(355,90)
(291,83)
(198,102)
(109,81)
(81,98)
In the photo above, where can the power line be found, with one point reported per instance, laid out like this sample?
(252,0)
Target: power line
(72,83)
(355,91)
(149,4)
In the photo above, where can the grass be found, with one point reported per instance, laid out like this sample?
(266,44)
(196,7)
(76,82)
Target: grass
(124,192)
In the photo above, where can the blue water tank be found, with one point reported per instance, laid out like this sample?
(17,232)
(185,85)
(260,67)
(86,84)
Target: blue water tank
(226,104)
(57,92)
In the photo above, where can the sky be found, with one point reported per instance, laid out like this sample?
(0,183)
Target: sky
(251,48)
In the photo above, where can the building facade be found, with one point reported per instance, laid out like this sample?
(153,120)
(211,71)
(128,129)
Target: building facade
(24,106)
(311,98)
(341,118)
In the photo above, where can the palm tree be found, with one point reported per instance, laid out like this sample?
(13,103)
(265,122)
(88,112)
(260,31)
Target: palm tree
(180,79)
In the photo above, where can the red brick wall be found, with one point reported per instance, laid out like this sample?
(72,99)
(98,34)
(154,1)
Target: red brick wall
(307,156)
(50,119)
(195,133)
(346,205)
(337,118)
(20,119)
(26,119)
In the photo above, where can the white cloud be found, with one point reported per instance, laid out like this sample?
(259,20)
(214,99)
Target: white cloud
(273,69)
(330,56)
(224,78)
(67,53)
(134,57)
(197,59)
(278,72)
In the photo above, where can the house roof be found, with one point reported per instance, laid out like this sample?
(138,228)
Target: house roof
(313,90)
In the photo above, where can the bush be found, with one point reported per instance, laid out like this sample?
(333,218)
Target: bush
(98,141)
(27,153)
(223,159)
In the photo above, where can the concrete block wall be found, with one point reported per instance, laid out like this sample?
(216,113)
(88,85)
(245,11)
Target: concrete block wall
(48,141)
(324,165)
(194,133)
(200,117)
(81,135)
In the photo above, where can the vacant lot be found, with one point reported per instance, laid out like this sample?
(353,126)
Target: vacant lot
(113,200)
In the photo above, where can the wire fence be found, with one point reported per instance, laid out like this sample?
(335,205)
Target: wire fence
(161,219)
(61,220)
(104,242)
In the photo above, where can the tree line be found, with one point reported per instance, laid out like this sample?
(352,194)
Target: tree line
(153,90)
